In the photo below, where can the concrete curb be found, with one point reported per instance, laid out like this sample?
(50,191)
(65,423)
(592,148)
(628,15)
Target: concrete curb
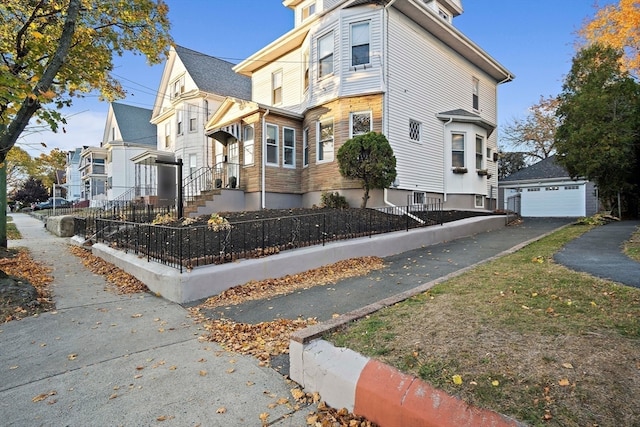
(378,392)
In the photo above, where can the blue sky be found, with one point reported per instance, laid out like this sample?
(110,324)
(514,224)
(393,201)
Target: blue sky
(533,39)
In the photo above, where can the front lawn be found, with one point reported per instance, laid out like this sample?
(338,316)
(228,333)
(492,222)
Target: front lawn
(520,335)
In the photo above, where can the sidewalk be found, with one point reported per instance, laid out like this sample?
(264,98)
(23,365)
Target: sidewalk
(103,359)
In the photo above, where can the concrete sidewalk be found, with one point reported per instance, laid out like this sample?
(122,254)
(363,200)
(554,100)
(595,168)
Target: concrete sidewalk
(103,359)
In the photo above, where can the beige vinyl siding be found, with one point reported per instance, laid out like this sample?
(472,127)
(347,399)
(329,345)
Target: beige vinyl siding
(361,80)
(291,66)
(425,78)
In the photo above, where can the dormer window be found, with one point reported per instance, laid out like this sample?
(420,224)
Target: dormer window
(308,10)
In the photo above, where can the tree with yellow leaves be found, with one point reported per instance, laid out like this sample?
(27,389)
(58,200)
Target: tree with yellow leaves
(52,51)
(618,26)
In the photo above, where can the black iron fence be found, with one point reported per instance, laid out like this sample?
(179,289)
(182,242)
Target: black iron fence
(85,221)
(189,246)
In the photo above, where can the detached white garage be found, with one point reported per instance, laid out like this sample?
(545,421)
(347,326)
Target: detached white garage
(545,189)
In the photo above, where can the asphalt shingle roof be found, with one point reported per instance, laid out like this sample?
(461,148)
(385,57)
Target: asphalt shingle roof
(544,169)
(214,75)
(134,124)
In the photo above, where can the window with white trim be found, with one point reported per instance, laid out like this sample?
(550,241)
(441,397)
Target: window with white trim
(288,147)
(479,152)
(360,123)
(193,163)
(325,141)
(419,197)
(167,134)
(360,44)
(272,145)
(457,150)
(305,147)
(179,118)
(276,87)
(479,201)
(248,144)
(325,55)
(415,130)
(476,94)
(177,87)
(308,10)
(193,118)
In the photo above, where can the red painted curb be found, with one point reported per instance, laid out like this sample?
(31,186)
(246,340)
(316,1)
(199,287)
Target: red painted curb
(390,398)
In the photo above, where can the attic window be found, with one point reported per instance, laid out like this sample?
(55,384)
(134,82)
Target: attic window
(177,88)
(308,10)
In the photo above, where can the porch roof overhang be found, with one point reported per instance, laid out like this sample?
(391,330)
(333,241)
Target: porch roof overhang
(149,157)
(464,116)
(228,119)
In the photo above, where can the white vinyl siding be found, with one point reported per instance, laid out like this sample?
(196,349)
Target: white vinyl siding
(290,65)
(414,55)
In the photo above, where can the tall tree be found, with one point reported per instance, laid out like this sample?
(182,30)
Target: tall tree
(510,162)
(18,163)
(534,135)
(618,26)
(54,50)
(599,134)
(46,166)
(368,158)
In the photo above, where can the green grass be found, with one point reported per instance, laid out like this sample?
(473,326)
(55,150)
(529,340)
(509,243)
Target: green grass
(527,323)
(632,246)
(12,230)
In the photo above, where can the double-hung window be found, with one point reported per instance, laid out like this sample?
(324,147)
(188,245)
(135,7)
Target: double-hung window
(476,94)
(360,44)
(479,152)
(325,141)
(177,87)
(193,118)
(167,134)
(305,147)
(325,55)
(276,88)
(179,119)
(288,147)
(272,145)
(360,123)
(457,150)
(248,144)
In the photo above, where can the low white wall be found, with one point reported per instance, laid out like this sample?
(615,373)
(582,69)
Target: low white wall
(203,282)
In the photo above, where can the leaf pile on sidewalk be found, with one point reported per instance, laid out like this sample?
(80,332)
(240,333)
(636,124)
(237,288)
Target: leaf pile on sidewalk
(123,282)
(19,264)
(329,274)
(261,340)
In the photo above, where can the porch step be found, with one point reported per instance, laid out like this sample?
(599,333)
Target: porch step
(200,200)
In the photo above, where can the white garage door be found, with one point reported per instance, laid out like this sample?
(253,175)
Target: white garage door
(553,201)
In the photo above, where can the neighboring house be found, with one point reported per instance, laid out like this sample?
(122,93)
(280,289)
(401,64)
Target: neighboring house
(353,66)
(72,175)
(193,85)
(545,189)
(107,171)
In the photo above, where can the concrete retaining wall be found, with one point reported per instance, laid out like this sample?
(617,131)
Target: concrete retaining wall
(203,282)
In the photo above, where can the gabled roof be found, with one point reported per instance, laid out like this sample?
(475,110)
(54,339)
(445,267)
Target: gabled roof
(134,124)
(214,75)
(544,169)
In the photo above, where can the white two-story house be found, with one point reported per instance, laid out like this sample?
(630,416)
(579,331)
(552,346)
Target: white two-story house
(352,66)
(108,172)
(192,87)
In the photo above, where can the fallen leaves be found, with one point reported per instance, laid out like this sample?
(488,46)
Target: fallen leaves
(43,396)
(328,274)
(262,340)
(123,281)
